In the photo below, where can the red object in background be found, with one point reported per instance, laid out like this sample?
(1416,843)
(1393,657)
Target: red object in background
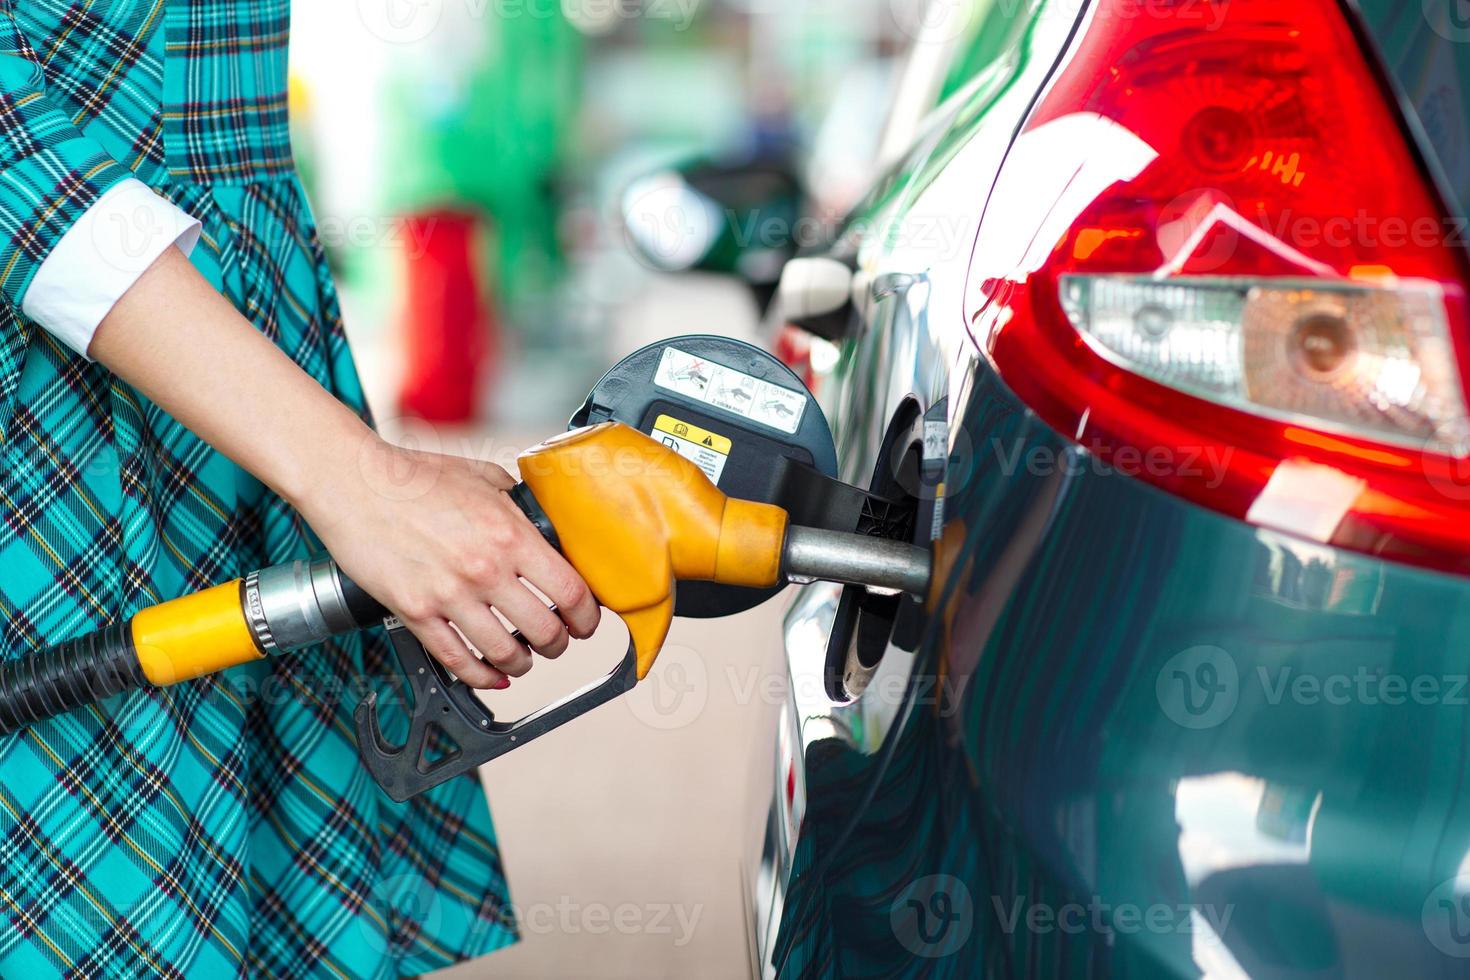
(449,329)
(794,348)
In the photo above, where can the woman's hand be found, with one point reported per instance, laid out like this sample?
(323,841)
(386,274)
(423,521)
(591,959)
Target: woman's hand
(434,538)
(438,540)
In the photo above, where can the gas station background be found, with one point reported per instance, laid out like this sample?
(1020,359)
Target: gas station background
(530,118)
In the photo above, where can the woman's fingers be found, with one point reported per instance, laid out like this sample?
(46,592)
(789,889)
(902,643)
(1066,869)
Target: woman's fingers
(583,615)
(554,578)
(549,572)
(492,639)
(498,477)
(540,627)
(446,646)
(457,554)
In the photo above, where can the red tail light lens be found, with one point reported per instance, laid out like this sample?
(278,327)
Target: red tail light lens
(1241,259)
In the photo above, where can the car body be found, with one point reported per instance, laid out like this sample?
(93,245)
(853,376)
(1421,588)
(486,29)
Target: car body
(1168,711)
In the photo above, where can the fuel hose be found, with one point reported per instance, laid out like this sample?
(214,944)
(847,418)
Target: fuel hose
(281,608)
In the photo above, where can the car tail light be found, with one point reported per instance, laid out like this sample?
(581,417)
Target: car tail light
(1241,259)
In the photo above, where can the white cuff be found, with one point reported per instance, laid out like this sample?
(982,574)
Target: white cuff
(100,257)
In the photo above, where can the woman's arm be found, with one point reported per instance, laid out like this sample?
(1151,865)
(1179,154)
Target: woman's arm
(434,538)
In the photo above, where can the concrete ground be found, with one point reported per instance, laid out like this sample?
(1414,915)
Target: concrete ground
(626,833)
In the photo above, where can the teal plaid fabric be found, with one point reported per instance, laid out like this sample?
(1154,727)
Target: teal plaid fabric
(222,827)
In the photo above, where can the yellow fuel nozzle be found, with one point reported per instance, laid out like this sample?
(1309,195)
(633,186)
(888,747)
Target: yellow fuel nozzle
(635,518)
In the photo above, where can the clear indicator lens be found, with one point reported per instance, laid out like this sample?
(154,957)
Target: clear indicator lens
(1370,361)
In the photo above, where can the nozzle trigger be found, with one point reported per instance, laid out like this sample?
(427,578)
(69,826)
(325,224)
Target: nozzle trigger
(450,731)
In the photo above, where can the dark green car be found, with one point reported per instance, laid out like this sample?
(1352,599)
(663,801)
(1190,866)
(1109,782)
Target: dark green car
(1159,320)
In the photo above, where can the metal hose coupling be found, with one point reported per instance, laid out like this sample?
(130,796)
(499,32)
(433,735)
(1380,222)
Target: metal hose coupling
(299,603)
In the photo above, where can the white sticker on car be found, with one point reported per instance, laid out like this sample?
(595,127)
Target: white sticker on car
(732,390)
(703,448)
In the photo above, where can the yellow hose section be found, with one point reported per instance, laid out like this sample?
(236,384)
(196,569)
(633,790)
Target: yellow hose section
(193,636)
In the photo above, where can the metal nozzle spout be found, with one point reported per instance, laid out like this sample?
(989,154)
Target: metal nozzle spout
(854,559)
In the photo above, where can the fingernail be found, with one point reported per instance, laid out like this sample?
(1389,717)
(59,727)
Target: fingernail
(504,683)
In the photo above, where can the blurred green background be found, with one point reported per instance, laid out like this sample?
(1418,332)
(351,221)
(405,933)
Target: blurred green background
(529,119)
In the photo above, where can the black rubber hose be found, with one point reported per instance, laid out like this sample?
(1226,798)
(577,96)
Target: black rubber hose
(76,673)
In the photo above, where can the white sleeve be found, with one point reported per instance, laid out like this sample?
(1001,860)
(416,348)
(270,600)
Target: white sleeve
(100,257)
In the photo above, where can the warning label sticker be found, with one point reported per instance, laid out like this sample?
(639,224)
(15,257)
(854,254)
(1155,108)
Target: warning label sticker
(703,448)
(714,384)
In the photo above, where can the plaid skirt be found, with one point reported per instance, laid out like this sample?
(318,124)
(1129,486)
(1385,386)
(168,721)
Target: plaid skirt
(224,826)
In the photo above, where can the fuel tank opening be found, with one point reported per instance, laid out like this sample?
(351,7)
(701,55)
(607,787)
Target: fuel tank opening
(869,620)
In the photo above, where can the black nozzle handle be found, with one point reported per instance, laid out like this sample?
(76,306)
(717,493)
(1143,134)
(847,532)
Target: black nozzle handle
(364,609)
(531,507)
(65,677)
